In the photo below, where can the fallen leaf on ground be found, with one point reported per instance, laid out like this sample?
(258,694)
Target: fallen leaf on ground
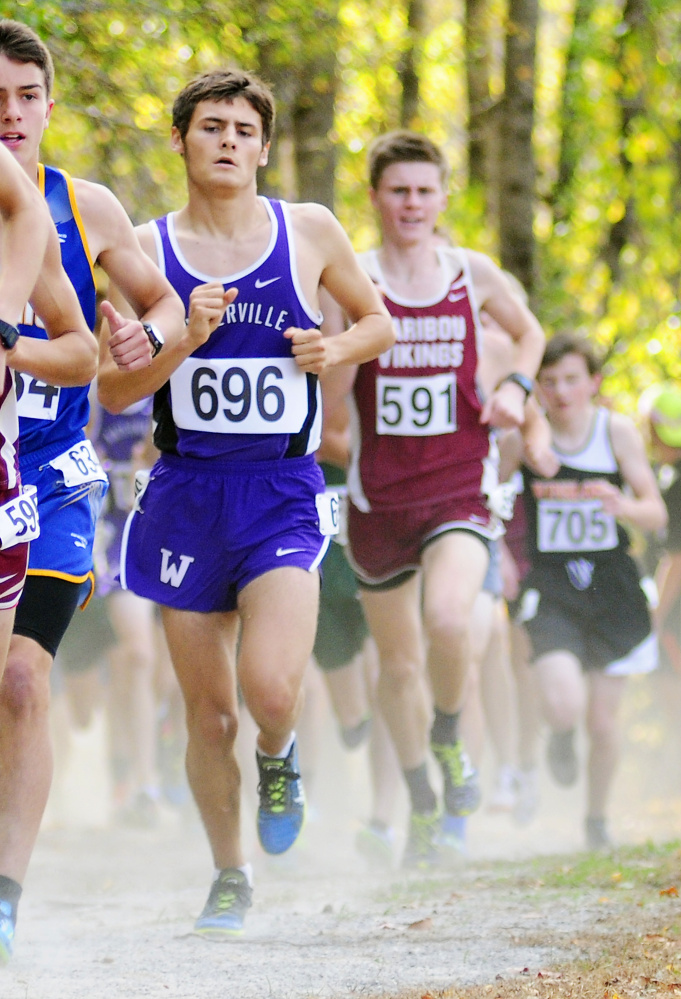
(421,924)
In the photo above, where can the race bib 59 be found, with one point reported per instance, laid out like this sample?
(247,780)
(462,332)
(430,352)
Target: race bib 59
(253,395)
(19,519)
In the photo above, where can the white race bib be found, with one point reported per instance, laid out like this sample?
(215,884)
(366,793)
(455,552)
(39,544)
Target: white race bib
(253,395)
(79,465)
(416,407)
(36,400)
(574,526)
(328,511)
(19,519)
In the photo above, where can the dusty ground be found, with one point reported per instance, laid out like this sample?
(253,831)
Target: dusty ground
(108,912)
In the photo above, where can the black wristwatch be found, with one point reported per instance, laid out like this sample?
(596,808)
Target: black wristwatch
(8,334)
(525,383)
(155,338)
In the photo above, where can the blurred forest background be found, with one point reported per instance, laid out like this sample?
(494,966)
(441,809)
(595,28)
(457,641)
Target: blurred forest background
(560,119)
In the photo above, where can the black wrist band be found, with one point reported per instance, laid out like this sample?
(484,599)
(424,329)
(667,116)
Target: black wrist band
(8,334)
(525,383)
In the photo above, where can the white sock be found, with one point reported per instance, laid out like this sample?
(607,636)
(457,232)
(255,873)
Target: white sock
(282,754)
(246,869)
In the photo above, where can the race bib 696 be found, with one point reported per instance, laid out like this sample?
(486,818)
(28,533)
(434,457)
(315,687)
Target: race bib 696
(416,407)
(252,395)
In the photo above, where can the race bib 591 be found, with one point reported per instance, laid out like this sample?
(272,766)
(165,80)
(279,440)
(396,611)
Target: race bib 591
(416,407)
(253,395)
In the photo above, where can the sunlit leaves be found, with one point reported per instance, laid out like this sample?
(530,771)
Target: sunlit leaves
(119,66)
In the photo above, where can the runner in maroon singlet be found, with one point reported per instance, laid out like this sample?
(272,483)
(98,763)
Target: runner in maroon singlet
(423,466)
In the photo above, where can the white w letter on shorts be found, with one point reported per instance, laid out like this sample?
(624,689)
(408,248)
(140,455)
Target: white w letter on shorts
(171,573)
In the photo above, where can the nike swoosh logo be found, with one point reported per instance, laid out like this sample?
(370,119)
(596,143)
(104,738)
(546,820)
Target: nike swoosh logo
(263,284)
(5,578)
(288,551)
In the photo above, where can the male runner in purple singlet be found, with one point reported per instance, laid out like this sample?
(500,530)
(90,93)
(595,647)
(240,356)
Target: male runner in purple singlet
(233,524)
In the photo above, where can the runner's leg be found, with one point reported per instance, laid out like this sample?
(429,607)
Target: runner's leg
(203,648)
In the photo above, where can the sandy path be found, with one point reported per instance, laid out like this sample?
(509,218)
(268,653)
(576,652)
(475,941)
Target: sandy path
(107,912)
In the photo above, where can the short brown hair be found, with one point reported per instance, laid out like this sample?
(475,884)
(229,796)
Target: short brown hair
(20,43)
(403,146)
(562,344)
(225,85)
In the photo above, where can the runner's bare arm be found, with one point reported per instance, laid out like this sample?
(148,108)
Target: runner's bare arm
(119,389)
(510,454)
(668,579)
(25,226)
(642,506)
(371,331)
(115,246)
(536,437)
(505,406)
(69,356)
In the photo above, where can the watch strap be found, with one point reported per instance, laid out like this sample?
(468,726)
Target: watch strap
(525,383)
(155,338)
(9,334)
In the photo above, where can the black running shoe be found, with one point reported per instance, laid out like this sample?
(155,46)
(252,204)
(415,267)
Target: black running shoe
(223,913)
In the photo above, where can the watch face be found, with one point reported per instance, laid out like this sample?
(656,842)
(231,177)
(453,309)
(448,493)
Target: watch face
(155,338)
(8,334)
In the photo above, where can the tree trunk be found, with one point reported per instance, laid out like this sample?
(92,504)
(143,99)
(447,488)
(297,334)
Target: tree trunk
(570,147)
(408,67)
(277,179)
(478,66)
(312,113)
(631,43)
(516,169)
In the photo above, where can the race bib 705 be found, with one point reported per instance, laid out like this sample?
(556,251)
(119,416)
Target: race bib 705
(574,526)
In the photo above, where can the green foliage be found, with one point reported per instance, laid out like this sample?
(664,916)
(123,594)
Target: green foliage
(119,65)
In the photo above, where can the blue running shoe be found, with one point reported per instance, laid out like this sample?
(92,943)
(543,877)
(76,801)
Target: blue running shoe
(451,839)
(224,912)
(7,921)
(282,802)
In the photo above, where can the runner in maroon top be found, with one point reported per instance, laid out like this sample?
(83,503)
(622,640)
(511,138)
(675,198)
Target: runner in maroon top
(423,465)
